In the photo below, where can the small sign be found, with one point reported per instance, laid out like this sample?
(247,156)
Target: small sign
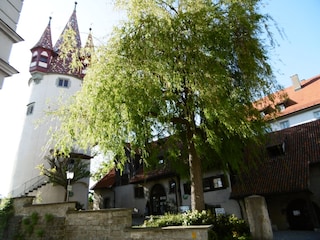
(219,211)
(69,188)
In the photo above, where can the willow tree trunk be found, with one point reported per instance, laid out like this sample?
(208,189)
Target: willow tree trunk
(197,199)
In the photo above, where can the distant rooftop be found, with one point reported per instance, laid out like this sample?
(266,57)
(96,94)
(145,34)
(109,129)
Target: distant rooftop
(300,96)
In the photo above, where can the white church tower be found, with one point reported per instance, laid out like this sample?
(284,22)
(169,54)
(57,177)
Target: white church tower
(51,80)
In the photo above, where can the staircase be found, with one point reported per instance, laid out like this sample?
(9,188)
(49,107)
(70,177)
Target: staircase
(29,186)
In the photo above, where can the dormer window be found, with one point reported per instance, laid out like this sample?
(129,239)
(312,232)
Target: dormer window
(43,60)
(281,107)
(276,150)
(266,111)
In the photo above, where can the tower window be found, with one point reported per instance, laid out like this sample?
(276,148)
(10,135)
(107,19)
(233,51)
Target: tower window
(63,82)
(30,108)
(44,57)
(34,59)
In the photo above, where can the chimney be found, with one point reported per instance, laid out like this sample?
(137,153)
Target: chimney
(296,82)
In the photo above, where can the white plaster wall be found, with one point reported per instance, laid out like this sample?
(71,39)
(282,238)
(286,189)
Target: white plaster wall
(296,119)
(218,197)
(9,15)
(10,12)
(33,145)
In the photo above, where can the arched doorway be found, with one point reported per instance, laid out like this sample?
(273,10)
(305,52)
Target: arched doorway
(299,215)
(158,199)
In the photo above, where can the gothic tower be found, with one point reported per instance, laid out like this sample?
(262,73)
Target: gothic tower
(52,80)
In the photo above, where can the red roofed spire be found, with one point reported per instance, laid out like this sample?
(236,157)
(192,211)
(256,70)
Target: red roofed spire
(42,52)
(71,24)
(45,40)
(59,65)
(87,52)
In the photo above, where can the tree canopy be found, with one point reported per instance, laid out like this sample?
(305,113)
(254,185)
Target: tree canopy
(181,68)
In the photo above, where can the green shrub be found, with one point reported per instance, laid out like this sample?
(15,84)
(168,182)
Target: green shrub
(6,212)
(40,233)
(48,217)
(224,227)
(29,222)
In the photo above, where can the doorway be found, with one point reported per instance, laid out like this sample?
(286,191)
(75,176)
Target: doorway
(158,200)
(299,215)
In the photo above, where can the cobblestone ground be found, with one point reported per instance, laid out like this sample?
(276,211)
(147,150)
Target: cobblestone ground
(296,235)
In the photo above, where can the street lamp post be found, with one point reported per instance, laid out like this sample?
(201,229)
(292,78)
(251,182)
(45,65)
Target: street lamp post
(70,175)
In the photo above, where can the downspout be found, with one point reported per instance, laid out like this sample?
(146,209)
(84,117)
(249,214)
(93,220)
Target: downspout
(114,197)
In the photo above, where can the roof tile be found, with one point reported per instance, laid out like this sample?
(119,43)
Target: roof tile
(284,173)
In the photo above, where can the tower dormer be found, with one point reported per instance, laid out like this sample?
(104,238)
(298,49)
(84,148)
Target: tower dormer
(42,53)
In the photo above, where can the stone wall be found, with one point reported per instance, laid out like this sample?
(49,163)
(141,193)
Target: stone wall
(61,221)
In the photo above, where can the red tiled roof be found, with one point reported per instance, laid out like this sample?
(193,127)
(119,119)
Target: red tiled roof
(45,41)
(62,66)
(151,175)
(107,181)
(284,173)
(305,97)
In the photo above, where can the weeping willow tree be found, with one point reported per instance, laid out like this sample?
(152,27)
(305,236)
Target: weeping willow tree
(180,68)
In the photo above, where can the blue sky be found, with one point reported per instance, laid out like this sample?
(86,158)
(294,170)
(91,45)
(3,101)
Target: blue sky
(298,53)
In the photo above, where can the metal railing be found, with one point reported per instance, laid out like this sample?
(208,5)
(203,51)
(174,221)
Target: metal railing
(29,186)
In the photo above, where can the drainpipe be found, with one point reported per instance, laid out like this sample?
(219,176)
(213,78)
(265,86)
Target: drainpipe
(114,197)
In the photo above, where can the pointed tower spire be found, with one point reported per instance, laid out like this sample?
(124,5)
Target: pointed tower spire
(62,66)
(42,52)
(87,53)
(89,42)
(71,24)
(45,40)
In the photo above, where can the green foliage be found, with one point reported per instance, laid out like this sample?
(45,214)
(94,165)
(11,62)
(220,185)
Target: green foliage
(29,223)
(56,173)
(188,69)
(48,217)
(40,233)
(224,227)
(6,212)
(30,226)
